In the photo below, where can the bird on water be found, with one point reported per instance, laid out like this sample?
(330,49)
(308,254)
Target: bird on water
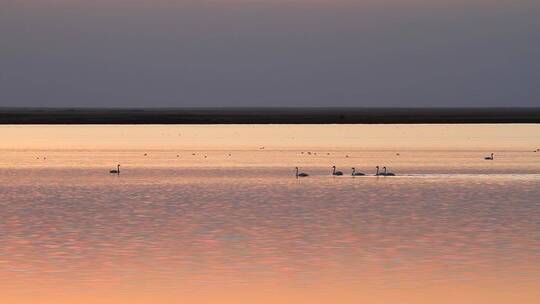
(117,171)
(354,173)
(490,157)
(387,173)
(336,173)
(301,174)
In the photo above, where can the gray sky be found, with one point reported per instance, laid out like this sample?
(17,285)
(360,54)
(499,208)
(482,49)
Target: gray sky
(270,53)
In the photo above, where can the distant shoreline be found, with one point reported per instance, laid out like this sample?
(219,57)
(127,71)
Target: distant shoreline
(331,115)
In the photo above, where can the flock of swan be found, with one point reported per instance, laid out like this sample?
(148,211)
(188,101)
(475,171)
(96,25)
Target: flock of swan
(334,169)
(378,173)
(353,173)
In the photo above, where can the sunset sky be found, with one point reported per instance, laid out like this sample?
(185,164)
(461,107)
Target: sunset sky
(269,53)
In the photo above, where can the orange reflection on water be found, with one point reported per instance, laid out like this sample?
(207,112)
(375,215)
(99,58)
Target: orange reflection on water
(206,227)
(477,137)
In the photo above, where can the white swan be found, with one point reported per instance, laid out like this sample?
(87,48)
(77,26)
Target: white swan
(387,173)
(354,173)
(301,174)
(117,171)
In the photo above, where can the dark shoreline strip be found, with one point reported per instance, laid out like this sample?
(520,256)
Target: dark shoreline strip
(268,115)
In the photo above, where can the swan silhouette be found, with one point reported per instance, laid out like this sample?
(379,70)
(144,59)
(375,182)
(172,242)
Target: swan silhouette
(378,173)
(302,174)
(336,173)
(354,173)
(117,171)
(489,157)
(387,173)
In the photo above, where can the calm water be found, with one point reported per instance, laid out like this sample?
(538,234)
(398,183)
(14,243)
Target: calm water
(209,216)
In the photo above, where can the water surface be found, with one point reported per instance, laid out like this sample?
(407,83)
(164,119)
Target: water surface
(214,214)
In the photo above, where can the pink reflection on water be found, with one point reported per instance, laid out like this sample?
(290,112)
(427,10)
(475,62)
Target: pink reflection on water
(219,223)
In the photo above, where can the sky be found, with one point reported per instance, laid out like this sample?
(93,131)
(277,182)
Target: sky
(222,53)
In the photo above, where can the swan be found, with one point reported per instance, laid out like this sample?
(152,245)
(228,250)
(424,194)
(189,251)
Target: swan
(336,173)
(354,173)
(300,174)
(387,173)
(117,171)
(377,173)
(489,157)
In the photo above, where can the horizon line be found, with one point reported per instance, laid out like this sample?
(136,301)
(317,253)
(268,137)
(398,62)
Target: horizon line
(267,115)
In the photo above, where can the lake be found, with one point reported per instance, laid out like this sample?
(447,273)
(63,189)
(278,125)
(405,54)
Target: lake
(215,214)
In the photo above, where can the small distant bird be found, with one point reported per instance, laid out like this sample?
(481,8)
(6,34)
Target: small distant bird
(489,157)
(387,173)
(354,173)
(177,155)
(117,171)
(347,156)
(336,173)
(302,174)
(145,154)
